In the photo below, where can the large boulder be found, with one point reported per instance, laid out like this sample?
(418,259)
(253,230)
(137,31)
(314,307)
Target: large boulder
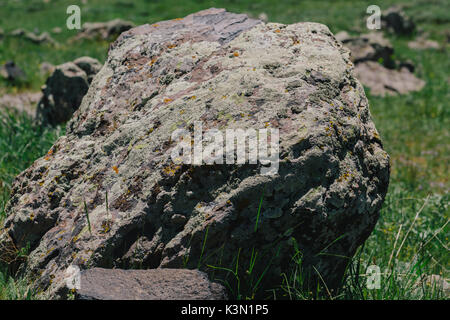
(109,194)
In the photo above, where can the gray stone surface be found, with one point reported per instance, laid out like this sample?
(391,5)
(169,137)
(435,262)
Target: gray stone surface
(154,284)
(227,71)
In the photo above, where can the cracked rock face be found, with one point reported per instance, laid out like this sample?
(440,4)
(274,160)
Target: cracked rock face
(227,71)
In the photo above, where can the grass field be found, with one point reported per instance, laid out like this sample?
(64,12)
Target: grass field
(410,240)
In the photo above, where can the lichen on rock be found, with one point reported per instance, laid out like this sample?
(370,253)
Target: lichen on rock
(229,72)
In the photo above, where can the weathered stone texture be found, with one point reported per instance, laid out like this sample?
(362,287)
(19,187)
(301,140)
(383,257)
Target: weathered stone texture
(227,71)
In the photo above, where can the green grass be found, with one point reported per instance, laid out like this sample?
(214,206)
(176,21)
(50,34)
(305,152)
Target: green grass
(21,142)
(411,237)
(14,289)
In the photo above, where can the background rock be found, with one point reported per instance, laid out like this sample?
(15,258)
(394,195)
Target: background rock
(396,21)
(22,102)
(103,30)
(375,66)
(46,68)
(64,90)
(154,284)
(368,47)
(229,72)
(33,37)
(10,71)
(382,81)
(421,43)
(89,65)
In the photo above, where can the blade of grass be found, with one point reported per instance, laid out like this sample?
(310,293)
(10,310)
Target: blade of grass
(87,216)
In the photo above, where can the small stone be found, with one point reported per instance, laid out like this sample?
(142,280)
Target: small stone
(152,284)
(10,71)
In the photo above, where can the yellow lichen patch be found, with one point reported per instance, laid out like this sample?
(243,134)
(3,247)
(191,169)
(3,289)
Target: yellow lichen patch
(193,98)
(236,54)
(344,177)
(171,170)
(277,31)
(155,25)
(48,155)
(152,62)
(167,100)
(116,169)
(32,216)
(171,46)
